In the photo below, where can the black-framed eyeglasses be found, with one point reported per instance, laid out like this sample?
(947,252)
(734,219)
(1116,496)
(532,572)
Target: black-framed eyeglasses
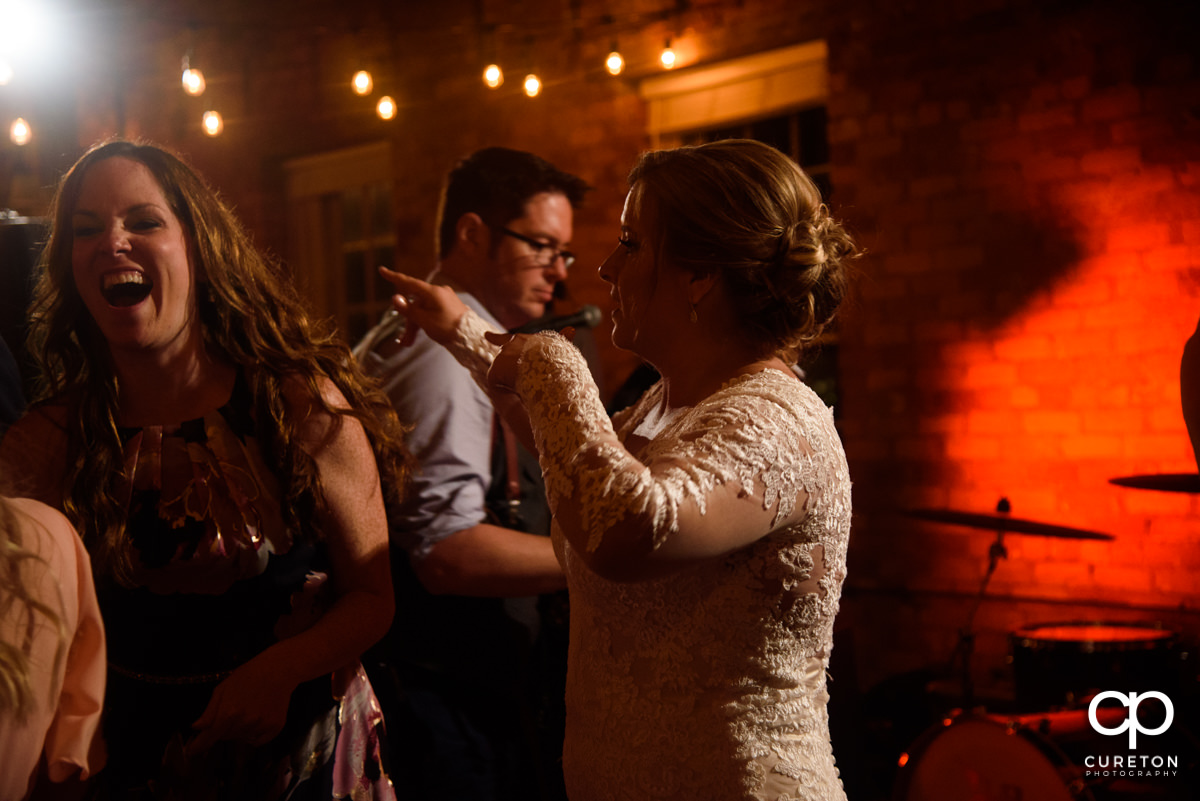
(540,249)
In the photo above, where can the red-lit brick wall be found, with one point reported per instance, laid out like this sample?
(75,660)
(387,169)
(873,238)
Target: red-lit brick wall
(1026,177)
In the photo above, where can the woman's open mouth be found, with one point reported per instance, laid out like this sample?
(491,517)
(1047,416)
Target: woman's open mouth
(125,289)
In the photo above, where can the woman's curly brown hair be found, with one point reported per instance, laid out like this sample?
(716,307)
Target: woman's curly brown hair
(252,316)
(744,210)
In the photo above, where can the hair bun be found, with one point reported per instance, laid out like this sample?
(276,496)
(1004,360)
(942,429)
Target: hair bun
(793,235)
(787,238)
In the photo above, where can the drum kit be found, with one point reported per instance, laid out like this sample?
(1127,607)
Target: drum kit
(1057,667)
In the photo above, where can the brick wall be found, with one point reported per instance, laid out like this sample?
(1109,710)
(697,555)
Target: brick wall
(1024,176)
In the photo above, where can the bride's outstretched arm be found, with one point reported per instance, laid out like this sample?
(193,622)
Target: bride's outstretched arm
(729,479)
(440,313)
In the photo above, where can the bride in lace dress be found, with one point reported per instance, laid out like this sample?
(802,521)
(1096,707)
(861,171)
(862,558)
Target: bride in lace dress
(704,530)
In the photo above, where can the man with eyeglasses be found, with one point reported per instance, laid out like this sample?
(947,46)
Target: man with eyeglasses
(470,551)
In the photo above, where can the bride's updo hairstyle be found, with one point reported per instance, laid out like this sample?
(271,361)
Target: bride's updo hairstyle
(742,209)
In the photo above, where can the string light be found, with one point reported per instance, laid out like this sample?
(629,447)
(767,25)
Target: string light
(193,79)
(386,108)
(362,83)
(22,27)
(212,122)
(493,76)
(614,63)
(667,57)
(532,85)
(20,133)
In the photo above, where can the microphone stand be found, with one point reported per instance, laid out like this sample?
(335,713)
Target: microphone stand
(966,635)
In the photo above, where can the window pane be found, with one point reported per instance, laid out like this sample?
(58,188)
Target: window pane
(352,215)
(381,209)
(814,144)
(738,132)
(355,276)
(384,257)
(773,132)
(357,325)
(823,183)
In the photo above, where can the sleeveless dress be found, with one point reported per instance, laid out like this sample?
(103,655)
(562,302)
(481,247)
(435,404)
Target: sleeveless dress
(707,682)
(218,579)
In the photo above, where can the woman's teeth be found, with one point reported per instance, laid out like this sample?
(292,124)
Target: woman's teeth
(125,289)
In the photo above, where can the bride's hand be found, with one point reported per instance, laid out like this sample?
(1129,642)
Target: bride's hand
(435,309)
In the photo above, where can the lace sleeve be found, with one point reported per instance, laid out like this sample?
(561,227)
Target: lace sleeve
(470,348)
(736,469)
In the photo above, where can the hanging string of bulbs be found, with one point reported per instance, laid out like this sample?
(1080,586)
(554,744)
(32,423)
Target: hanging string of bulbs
(194,84)
(614,64)
(362,83)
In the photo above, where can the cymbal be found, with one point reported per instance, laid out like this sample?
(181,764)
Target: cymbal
(1164,482)
(1006,524)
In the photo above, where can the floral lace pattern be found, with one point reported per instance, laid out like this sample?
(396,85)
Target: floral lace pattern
(708,682)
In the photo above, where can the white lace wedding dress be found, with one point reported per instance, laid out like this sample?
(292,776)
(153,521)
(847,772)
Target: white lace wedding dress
(708,682)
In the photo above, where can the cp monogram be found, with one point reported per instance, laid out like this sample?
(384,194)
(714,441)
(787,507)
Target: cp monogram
(1132,700)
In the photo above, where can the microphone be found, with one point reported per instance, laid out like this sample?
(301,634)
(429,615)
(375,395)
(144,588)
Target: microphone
(587,317)
(390,328)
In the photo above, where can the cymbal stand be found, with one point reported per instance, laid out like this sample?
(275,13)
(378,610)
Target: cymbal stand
(966,635)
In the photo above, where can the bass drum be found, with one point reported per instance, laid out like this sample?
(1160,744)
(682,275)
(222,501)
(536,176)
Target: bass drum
(1038,757)
(980,757)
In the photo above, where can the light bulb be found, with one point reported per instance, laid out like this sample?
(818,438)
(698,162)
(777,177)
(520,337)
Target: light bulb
(614,63)
(668,56)
(385,108)
(493,76)
(22,27)
(193,82)
(362,83)
(6,72)
(213,124)
(532,85)
(20,133)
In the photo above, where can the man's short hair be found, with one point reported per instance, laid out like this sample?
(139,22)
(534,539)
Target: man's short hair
(496,183)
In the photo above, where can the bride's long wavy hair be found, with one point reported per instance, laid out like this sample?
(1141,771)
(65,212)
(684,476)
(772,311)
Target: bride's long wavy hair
(252,316)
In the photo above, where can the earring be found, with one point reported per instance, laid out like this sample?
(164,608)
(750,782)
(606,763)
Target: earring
(693,316)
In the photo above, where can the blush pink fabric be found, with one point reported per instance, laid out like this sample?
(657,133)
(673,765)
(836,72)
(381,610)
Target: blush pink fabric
(64,724)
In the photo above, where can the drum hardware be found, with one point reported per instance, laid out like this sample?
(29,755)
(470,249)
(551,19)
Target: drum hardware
(1163,482)
(1006,524)
(1001,523)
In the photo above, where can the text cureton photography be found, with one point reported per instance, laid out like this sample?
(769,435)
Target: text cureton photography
(1131,765)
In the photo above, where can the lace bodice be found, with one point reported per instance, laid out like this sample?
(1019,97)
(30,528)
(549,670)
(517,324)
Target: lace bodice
(706,681)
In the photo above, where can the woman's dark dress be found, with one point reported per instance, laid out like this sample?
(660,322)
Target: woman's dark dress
(219,579)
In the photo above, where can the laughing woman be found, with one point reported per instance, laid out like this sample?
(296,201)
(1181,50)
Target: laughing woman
(704,530)
(221,458)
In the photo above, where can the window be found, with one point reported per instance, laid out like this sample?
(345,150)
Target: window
(801,134)
(342,229)
(367,241)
